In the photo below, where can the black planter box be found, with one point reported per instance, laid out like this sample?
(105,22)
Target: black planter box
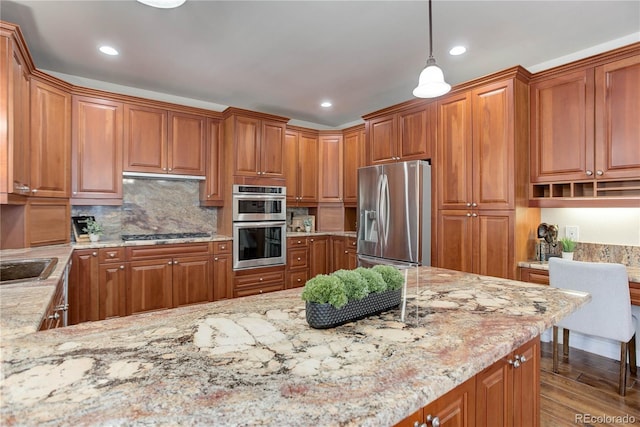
(323,316)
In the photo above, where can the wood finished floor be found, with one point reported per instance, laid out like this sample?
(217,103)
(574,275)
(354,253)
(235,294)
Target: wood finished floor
(586,384)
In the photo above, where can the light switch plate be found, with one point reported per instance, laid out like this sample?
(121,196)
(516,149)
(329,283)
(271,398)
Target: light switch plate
(571,231)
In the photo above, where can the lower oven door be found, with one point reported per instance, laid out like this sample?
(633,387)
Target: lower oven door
(258,244)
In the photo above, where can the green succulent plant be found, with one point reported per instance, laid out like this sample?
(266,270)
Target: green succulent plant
(391,275)
(324,289)
(93,227)
(375,281)
(568,245)
(356,286)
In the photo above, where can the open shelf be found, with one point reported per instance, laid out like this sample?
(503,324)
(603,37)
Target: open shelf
(620,193)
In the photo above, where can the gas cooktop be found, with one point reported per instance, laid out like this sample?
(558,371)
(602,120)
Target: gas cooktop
(163,236)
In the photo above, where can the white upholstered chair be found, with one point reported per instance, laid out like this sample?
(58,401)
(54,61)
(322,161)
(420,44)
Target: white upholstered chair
(607,315)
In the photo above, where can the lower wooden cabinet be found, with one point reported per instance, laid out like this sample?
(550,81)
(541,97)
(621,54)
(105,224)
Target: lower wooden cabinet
(255,281)
(149,285)
(221,272)
(318,255)
(343,253)
(83,286)
(54,315)
(506,393)
(191,280)
(111,296)
(297,272)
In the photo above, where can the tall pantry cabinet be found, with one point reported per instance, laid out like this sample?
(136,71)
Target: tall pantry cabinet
(481,167)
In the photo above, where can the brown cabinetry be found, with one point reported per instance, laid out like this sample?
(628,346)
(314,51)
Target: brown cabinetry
(343,253)
(50,136)
(354,158)
(482,223)
(55,312)
(331,168)
(83,286)
(301,167)
(211,190)
(162,141)
(221,271)
(585,133)
(297,272)
(111,298)
(258,280)
(407,134)
(47,221)
(96,151)
(318,255)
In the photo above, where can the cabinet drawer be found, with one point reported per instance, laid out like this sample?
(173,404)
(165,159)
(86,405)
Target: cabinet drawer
(223,247)
(296,279)
(256,291)
(253,280)
(296,242)
(111,255)
(351,242)
(297,258)
(161,251)
(634,290)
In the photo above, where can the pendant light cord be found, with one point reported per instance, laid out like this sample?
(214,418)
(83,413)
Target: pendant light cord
(430,33)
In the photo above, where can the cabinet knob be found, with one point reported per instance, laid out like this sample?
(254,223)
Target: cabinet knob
(299,241)
(164,169)
(468,205)
(223,246)
(474,204)
(589,173)
(122,267)
(94,253)
(170,262)
(112,255)
(346,252)
(35,190)
(170,169)
(468,214)
(599,173)
(175,262)
(261,279)
(215,259)
(298,258)
(474,214)
(312,240)
(515,363)
(54,316)
(208,195)
(75,192)
(435,421)
(299,280)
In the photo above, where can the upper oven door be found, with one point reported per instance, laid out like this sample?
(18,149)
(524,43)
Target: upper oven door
(259,207)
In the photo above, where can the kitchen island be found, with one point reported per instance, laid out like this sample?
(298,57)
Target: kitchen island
(255,361)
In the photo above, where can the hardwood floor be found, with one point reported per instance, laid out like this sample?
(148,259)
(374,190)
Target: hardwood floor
(586,384)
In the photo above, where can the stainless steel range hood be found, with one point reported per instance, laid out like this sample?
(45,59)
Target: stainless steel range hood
(161,176)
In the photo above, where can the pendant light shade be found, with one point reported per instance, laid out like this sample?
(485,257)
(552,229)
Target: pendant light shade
(431,82)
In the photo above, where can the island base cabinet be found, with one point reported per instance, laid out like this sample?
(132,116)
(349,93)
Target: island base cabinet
(149,285)
(191,281)
(111,300)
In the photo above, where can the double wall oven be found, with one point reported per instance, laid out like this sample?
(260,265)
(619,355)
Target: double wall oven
(259,226)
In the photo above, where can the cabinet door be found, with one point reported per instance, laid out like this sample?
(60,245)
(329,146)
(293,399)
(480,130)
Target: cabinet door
(96,148)
(454,409)
(493,237)
(149,285)
(318,255)
(191,280)
(330,153)
(352,161)
(247,146)
(222,280)
(526,385)
(50,141)
(186,149)
(414,143)
(211,189)
(291,166)
(338,254)
(272,149)
(562,127)
(493,146)
(534,276)
(455,240)
(454,153)
(48,221)
(308,168)
(112,294)
(83,287)
(382,139)
(617,104)
(145,139)
(494,395)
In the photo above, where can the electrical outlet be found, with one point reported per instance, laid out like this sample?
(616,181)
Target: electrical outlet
(571,231)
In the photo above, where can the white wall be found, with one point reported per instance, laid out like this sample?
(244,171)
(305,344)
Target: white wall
(618,226)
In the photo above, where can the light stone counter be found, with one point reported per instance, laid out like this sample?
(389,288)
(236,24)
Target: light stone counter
(255,361)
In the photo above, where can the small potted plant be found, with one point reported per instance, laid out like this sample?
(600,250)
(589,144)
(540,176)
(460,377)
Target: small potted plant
(307,224)
(568,246)
(94,229)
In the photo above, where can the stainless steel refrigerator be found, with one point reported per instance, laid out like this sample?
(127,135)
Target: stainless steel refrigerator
(394,214)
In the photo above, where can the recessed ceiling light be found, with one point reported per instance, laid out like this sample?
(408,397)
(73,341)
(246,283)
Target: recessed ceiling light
(163,4)
(326,104)
(108,50)
(457,50)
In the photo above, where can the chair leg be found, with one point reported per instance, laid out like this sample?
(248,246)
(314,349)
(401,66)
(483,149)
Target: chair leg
(555,349)
(622,384)
(633,365)
(565,342)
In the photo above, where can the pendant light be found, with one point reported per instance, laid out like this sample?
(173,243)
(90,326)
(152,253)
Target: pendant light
(431,82)
(163,4)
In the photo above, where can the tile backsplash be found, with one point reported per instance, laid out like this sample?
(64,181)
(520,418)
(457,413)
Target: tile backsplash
(154,206)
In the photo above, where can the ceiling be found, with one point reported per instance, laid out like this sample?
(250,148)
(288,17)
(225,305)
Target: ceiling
(286,57)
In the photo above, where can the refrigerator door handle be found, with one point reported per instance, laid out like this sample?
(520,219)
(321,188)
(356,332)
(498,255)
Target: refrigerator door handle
(379,207)
(387,198)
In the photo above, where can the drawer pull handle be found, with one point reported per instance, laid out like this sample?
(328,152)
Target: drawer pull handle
(94,253)
(112,255)
(298,258)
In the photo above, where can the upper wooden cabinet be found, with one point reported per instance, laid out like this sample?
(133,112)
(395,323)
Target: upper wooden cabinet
(476,148)
(14,112)
(331,167)
(258,144)
(585,133)
(354,158)
(404,135)
(211,190)
(50,140)
(96,151)
(161,141)
(301,166)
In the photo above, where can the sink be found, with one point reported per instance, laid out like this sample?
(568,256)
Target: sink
(23,270)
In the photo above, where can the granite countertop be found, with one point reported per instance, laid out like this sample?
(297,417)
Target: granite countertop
(632,271)
(255,361)
(120,243)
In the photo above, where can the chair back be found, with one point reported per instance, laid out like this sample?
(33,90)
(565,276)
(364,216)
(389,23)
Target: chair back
(608,314)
